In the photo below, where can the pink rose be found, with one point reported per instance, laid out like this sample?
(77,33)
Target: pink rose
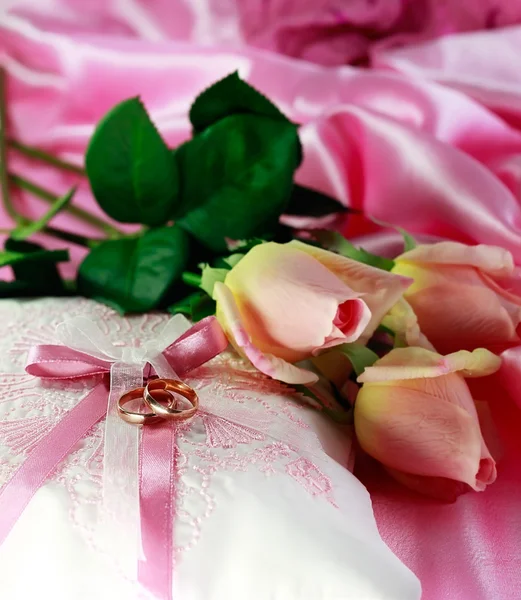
(464,297)
(283,303)
(415,415)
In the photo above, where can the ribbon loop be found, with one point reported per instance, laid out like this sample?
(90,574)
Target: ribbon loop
(85,352)
(50,361)
(133,355)
(136,488)
(83,335)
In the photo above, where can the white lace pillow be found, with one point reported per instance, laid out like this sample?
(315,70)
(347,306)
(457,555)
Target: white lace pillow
(255,518)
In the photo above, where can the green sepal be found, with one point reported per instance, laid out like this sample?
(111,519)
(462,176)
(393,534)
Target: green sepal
(209,276)
(409,243)
(359,356)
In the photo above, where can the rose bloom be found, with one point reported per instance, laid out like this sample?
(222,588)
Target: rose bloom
(283,303)
(416,416)
(464,297)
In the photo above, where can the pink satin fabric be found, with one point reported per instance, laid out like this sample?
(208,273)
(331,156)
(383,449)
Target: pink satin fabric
(198,345)
(469,549)
(329,32)
(427,139)
(481,65)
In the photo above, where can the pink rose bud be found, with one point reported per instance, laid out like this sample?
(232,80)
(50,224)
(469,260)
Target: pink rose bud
(415,415)
(283,303)
(464,297)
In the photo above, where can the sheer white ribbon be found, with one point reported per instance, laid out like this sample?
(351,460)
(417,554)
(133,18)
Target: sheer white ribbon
(118,526)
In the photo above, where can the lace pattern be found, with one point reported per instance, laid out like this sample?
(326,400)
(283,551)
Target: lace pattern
(206,445)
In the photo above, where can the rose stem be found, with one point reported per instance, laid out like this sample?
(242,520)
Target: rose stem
(68,236)
(79,213)
(46,157)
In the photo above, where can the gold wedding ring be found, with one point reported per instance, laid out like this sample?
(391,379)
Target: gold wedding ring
(136,418)
(159,397)
(171,386)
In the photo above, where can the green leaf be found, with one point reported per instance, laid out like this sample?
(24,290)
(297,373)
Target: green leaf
(237,178)
(230,96)
(131,170)
(184,306)
(310,203)
(409,243)
(132,274)
(196,306)
(10,258)
(14,258)
(35,269)
(16,289)
(203,307)
(359,356)
(30,289)
(337,243)
(24,231)
(209,276)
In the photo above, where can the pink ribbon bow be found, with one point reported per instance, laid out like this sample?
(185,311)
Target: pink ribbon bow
(193,348)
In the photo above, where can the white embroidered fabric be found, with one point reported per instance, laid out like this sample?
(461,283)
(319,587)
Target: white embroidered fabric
(254,517)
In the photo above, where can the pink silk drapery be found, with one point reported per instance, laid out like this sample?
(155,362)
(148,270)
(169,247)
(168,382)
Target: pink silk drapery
(427,139)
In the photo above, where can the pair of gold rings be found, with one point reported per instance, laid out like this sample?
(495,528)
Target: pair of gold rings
(159,397)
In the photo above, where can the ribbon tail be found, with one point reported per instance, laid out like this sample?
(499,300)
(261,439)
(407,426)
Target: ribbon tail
(118,527)
(157,469)
(47,455)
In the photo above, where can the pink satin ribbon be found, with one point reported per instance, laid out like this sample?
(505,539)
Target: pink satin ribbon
(197,346)
(157,462)
(157,466)
(16,494)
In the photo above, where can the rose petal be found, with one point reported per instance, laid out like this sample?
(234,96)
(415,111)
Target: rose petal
(510,373)
(403,321)
(288,301)
(348,325)
(478,363)
(230,319)
(460,308)
(414,363)
(490,259)
(452,388)
(381,289)
(405,430)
